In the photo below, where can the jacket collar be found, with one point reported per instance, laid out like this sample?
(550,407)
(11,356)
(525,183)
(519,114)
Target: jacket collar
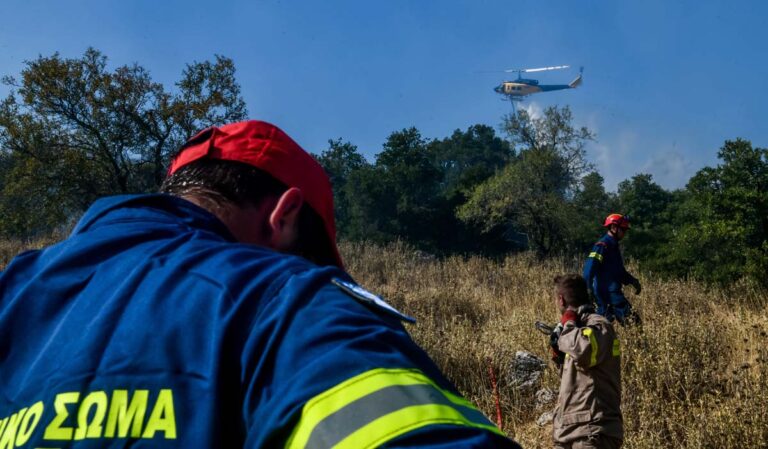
(156,207)
(610,239)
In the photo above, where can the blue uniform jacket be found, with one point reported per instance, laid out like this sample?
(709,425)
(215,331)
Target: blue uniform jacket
(150,327)
(604,270)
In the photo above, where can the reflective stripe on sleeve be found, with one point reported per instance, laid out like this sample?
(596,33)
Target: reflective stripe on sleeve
(588,332)
(616,347)
(377,406)
(595,255)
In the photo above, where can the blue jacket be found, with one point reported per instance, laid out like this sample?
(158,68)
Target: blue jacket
(604,270)
(151,327)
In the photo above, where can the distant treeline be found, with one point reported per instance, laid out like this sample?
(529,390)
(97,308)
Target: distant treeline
(474,192)
(72,131)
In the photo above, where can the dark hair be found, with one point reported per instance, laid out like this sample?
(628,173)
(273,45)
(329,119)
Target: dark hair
(221,182)
(573,288)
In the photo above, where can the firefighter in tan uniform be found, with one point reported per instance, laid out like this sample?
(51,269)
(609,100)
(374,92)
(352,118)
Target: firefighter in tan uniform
(588,413)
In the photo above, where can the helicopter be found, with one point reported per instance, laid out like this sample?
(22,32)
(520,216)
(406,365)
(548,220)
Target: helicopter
(521,87)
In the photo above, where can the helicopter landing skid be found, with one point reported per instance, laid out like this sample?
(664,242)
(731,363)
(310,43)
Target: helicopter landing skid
(513,100)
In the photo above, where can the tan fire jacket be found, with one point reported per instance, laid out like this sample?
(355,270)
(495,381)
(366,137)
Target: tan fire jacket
(590,387)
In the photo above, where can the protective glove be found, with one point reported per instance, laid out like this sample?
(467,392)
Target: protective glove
(557,355)
(637,286)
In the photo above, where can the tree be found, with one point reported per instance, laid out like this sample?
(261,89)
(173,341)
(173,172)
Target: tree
(644,200)
(340,161)
(592,205)
(722,231)
(397,197)
(468,158)
(115,129)
(370,207)
(552,132)
(43,180)
(648,205)
(465,160)
(533,194)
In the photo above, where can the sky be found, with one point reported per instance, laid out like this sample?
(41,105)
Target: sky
(666,82)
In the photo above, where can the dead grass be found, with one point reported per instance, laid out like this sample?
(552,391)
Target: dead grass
(695,376)
(10,248)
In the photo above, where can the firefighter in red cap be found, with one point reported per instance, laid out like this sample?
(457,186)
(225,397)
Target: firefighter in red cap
(605,273)
(217,314)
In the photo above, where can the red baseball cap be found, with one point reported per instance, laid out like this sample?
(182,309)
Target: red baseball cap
(268,148)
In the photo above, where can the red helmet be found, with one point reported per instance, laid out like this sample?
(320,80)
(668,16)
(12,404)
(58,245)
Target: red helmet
(619,220)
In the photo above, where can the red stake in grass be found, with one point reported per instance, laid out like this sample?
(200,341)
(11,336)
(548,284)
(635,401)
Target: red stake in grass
(499,421)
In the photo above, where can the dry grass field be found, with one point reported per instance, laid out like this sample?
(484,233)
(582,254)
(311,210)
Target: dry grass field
(695,376)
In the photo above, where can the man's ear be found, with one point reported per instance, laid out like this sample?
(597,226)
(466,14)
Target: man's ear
(284,219)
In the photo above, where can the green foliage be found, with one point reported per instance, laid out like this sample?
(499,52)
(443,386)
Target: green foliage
(340,161)
(592,203)
(648,205)
(532,195)
(397,197)
(644,200)
(553,132)
(72,130)
(721,234)
(411,191)
(370,207)
(467,159)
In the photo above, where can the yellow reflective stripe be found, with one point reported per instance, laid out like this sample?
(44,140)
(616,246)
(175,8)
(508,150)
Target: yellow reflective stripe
(403,421)
(588,332)
(339,396)
(616,347)
(331,401)
(595,255)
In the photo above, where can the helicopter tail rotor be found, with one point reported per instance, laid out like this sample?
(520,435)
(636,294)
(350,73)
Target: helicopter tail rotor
(577,82)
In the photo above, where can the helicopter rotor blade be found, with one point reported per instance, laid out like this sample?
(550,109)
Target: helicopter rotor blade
(541,69)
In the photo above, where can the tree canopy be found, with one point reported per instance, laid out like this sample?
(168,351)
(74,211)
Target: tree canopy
(72,130)
(720,232)
(532,194)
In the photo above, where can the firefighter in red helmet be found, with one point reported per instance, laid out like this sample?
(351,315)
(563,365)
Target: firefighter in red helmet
(605,273)
(622,221)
